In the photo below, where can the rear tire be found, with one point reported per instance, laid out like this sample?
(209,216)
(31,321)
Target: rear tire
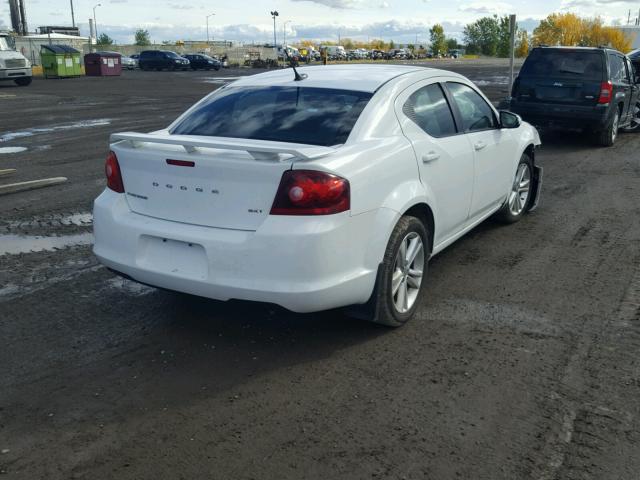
(607,137)
(401,281)
(23,81)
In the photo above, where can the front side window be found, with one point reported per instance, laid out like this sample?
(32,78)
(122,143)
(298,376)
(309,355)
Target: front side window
(308,115)
(475,112)
(428,108)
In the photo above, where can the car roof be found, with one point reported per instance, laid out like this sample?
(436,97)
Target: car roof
(363,78)
(568,47)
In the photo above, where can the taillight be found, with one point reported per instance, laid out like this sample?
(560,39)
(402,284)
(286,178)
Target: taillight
(112,170)
(606,92)
(310,192)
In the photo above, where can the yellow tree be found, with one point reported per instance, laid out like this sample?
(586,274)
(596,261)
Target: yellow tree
(522,45)
(571,30)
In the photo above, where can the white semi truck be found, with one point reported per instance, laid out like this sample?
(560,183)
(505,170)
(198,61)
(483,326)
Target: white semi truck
(13,65)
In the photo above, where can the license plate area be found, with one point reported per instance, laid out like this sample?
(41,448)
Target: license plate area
(174,257)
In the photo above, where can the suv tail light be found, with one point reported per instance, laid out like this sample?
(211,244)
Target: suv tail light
(606,92)
(112,170)
(311,192)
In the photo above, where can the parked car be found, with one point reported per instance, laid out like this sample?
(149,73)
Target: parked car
(128,62)
(204,62)
(162,59)
(334,192)
(590,88)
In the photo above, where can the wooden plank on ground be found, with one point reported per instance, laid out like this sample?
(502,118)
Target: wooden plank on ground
(31,185)
(8,171)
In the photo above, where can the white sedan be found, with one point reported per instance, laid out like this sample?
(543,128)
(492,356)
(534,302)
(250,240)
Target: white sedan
(329,189)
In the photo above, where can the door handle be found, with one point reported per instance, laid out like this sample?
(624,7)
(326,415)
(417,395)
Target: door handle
(430,157)
(479,145)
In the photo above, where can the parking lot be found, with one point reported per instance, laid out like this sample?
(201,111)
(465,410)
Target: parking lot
(523,363)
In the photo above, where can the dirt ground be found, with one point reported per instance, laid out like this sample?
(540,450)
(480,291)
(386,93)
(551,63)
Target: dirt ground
(522,363)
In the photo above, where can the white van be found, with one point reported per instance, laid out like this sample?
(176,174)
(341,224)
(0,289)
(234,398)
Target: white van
(13,65)
(336,52)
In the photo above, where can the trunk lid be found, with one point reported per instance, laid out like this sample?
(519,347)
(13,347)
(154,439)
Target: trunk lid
(203,182)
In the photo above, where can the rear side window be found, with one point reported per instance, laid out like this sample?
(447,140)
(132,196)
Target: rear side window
(429,109)
(475,112)
(564,63)
(618,68)
(314,116)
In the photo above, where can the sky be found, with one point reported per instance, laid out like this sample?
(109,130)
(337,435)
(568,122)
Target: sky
(402,21)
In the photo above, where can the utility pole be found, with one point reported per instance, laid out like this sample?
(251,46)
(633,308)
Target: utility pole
(512,48)
(73,18)
(284,32)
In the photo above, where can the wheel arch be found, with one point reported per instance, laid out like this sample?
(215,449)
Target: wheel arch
(423,212)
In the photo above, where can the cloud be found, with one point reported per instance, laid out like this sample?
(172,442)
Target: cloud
(344,4)
(487,8)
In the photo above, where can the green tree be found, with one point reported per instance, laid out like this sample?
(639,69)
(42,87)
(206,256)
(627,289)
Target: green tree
(504,37)
(483,36)
(104,39)
(392,45)
(452,44)
(142,37)
(438,39)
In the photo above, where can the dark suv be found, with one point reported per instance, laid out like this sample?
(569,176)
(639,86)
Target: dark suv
(590,88)
(161,59)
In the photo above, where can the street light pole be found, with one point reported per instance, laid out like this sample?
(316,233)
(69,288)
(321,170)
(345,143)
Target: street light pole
(274,14)
(95,24)
(210,15)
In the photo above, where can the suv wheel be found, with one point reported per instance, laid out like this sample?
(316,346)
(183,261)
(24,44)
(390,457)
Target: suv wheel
(608,136)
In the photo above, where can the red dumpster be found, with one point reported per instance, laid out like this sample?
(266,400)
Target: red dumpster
(102,63)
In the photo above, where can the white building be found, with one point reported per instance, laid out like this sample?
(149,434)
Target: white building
(29,46)
(633,33)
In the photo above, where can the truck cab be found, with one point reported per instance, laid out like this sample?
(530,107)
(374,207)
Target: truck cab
(13,65)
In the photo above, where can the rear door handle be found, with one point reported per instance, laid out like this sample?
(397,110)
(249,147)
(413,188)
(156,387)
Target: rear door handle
(480,145)
(430,157)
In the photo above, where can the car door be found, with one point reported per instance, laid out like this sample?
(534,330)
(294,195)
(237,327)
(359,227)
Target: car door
(445,160)
(621,84)
(494,149)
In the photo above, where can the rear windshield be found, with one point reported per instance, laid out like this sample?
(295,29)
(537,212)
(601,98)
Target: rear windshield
(314,116)
(564,63)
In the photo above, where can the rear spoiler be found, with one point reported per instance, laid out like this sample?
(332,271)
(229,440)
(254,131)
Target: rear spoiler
(258,149)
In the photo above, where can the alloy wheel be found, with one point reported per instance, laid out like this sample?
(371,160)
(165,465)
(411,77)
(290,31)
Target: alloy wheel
(407,274)
(519,196)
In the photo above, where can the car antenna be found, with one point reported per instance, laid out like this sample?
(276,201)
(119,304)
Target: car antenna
(297,76)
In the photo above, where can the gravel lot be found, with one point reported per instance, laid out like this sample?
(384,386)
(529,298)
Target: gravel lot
(522,364)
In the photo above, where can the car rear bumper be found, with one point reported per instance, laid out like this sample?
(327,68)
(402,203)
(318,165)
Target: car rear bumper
(304,264)
(570,115)
(13,73)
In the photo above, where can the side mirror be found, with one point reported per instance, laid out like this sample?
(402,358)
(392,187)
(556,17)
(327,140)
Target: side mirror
(509,119)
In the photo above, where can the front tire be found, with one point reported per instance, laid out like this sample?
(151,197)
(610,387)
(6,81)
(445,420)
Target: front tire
(519,198)
(635,121)
(401,282)
(23,81)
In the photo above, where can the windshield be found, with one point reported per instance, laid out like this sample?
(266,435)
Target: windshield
(564,63)
(4,45)
(314,116)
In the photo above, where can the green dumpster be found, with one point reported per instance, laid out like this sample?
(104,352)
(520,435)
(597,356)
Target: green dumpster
(59,61)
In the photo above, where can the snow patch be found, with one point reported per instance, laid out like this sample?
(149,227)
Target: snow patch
(12,149)
(29,132)
(14,244)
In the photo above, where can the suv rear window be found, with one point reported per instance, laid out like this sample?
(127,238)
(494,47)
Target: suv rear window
(564,63)
(314,116)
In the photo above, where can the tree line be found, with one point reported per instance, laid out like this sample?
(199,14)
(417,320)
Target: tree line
(487,36)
